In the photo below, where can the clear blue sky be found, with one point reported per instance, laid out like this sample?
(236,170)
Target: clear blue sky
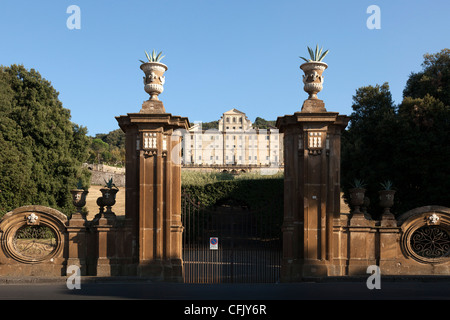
(240,54)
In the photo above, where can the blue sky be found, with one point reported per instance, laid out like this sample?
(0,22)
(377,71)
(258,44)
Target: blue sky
(220,54)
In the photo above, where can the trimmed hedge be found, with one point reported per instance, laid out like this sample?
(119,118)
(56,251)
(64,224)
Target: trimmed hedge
(263,197)
(255,194)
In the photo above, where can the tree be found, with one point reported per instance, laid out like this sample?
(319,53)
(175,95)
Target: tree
(263,123)
(99,147)
(367,145)
(210,125)
(41,150)
(408,144)
(114,138)
(433,80)
(422,152)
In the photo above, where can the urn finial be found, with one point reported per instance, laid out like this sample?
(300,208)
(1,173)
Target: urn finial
(154,80)
(313,79)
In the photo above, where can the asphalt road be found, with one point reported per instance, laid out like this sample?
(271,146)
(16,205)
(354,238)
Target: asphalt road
(326,290)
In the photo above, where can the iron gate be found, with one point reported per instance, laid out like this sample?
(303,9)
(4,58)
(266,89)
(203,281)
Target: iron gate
(248,248)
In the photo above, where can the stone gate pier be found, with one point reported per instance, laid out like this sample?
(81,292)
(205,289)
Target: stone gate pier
(319,240)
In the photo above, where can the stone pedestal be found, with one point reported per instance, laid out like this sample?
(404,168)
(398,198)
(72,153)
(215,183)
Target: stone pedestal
(106,245)
(361,244)
(390,250)
(312,146)
(153,190)
(76,234)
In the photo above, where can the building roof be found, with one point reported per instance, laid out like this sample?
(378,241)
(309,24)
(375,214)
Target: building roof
(234,110)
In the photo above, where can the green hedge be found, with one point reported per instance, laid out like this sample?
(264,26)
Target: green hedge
(255,194)
(263,197)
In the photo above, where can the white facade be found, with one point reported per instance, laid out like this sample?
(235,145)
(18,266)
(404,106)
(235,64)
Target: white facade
(235,143)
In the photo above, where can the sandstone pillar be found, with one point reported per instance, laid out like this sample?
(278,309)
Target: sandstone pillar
(153,188)
(361,244)
(312,146)
(106,246)
(76,230)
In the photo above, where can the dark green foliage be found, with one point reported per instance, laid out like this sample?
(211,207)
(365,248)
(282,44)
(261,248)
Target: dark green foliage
(367,145)
(434,79)
(41,150)
(264,197)
(408,144)
(108,148)
(210,125)
(115,138)
(263,123)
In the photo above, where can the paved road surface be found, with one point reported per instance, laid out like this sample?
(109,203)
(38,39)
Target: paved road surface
(324,290)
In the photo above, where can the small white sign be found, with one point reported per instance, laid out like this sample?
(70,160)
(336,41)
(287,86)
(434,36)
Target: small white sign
(213,243)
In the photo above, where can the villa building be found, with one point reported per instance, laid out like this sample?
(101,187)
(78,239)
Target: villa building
(235,143)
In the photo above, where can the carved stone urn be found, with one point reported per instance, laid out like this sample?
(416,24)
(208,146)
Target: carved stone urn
(109,198)
(386,200)
(313,84)
(357,198)
(79,198)
(154,78)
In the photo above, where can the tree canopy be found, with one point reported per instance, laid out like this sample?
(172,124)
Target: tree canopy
(41,150)
(108,148)
(407,143)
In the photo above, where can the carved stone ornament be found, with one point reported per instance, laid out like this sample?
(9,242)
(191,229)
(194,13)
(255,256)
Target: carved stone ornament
(149,140)
(149,143)
(315,142)
(433,219)
(32,218)
(150,153)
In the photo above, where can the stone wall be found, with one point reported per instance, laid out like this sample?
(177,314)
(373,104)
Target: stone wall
(99,178)
(100,247)
(101,173)
(415,243)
